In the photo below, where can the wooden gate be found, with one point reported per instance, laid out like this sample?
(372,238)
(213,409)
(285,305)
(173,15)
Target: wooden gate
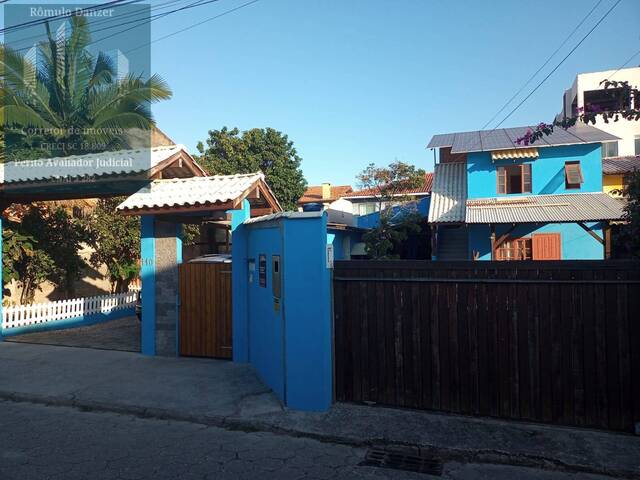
(552,342)
(205,309)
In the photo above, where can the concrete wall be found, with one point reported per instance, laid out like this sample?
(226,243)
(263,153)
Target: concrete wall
(576,244)
(547,172)
(289,342)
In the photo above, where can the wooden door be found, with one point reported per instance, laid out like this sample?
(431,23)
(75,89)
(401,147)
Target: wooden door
(205,309)
(546,246)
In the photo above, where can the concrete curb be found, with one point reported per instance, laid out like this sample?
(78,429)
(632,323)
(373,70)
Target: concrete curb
(486,456)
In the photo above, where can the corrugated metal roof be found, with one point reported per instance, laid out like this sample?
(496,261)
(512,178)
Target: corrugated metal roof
(449,193)
(287,215)
(569,207)
(505,138)
(188,192)
(91,165)
(620,165)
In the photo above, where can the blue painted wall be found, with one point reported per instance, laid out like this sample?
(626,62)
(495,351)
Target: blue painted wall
(290,347)
(576,243)
(547,172)
(1,279)
(373,219)
(74,322)
(148,278)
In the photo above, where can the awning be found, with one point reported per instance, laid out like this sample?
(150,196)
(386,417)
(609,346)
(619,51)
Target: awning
(574,207)
(515,154)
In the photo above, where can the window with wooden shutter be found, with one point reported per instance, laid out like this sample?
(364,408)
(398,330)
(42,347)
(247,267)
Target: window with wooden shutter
(514,179)
(514,249)
(502,180)
(526,178)
(573,175)
(546,246)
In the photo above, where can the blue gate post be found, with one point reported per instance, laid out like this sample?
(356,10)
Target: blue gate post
(148,277)
(1,279)
(239,267)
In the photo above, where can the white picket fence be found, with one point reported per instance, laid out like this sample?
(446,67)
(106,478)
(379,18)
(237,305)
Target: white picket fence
(39,313)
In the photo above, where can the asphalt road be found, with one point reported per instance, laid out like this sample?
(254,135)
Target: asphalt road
(51,442)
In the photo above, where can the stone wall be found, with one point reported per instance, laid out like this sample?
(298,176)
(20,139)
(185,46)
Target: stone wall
(166,288)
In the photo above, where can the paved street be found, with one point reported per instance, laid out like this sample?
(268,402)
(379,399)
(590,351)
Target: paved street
(122,334)
(49,442)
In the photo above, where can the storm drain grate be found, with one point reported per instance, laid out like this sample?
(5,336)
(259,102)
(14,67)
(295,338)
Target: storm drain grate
(399,460)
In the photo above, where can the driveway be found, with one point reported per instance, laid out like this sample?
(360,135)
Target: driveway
(122,334)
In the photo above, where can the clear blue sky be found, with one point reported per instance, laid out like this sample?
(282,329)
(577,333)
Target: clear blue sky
(359,81)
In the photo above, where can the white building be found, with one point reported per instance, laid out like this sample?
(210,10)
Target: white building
(587,91)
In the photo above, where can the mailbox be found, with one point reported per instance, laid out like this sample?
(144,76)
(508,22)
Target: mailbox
(276,275)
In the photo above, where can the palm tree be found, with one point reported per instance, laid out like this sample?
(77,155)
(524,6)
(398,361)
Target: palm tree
(71,102)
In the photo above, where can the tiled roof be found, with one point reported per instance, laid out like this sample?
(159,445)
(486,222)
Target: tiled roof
(505,138)
(191,192)
(121,162)
(449,193)
(423,189)
(314,194)
(569,207)
(620,165)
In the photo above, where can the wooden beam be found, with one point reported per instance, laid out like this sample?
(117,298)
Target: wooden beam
(258,212)
(492,237)
(172,210)
(591,232)
(607,241)
(504,236)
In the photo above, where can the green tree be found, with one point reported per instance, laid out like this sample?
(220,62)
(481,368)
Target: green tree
(23,262)
(116,241)
(73,103)
(629,233)
(60,236)
(389,185)
(266,150)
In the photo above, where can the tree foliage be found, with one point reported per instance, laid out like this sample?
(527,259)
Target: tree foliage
(629,233)
(267,150)
(59,236)
(389,185)
(116,241)
(72,102)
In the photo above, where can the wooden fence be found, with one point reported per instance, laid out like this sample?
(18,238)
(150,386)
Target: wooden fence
(37,314)
(552,342)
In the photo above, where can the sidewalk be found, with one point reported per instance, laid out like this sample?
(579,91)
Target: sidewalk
(231,396)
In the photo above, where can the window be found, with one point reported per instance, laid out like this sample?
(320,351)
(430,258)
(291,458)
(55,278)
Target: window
(637,140)
(514,249)
(514,179)
(605,100)
(573,175)
(610,149)
(366,208)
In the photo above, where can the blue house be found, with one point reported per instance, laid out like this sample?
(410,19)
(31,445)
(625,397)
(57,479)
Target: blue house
(496,200)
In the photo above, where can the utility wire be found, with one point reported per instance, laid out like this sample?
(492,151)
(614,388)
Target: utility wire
(546,62)
(102,6)
(194,25)
(624,64)
(558,65)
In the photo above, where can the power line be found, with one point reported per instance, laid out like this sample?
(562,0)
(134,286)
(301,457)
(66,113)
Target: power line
(559,64)
(624,64)
(542,66)
(99,7)
(195,25)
